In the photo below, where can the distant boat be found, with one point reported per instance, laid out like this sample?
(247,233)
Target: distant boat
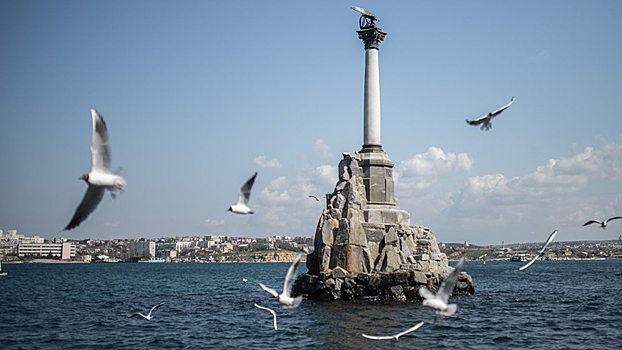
(519,258)
(2,273)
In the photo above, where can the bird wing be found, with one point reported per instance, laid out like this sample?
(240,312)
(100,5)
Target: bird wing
(498,111)
(91,199)
(548,241)
(447,287)
(426,294)
(592,222)
(614,218)
(272,312)
(291,274)
(100,148)
(137,314)
(155,307)
(412,329)
(530,262)
(375,337)
(479,120)
(245,191)
(269,290)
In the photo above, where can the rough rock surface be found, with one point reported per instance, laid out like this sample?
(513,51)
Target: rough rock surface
(354,259)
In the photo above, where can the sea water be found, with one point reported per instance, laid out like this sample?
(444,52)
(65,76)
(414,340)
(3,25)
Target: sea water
(551,305)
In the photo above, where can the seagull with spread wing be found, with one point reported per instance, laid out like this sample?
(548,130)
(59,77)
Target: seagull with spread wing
(548,241)
(602,224)
(100,178)
(285,297)
(439,300)
(243,198)
(395,337)
(486,119)
(148,317)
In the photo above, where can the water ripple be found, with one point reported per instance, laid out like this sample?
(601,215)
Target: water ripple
(556,305)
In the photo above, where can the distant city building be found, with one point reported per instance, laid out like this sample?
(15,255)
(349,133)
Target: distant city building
(183,246)
(65,250)
(142,249)
(10,240)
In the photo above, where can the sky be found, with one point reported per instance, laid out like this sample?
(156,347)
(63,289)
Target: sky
(199,95)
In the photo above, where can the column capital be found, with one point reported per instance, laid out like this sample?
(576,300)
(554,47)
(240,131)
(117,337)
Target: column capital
(371,36)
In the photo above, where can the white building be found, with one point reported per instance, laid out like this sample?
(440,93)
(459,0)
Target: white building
(64,250)
(142,249)
(183,246)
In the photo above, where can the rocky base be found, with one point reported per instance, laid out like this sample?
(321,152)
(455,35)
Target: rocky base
(399,286)
(365,247)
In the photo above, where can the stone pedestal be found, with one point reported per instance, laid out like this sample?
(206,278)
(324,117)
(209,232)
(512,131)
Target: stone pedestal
(377,176)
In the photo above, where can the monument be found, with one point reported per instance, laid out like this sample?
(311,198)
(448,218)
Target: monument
(365,247)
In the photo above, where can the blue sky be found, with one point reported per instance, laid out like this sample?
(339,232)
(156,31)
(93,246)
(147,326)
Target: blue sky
(198,95)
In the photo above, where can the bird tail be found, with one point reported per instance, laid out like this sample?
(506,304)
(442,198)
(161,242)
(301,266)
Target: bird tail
(121,172)
(450,311)
(119,186)
(297,301)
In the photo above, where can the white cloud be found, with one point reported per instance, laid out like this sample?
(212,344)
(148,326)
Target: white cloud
(327,175)
(264,162)
(277,191)
(554,193)
(558,176)
(322,148)
(285,202)
(425,169)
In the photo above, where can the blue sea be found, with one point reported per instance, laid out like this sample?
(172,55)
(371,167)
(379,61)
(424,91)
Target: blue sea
(552,305)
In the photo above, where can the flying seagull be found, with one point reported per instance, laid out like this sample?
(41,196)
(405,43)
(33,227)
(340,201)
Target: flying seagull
(315,197)
(100,178)
(395,337)
(486,119)
(148,317)
(285,298)
(603,224)
(243,197)
(548,241)
(439,300)
(244,280)
(272,312)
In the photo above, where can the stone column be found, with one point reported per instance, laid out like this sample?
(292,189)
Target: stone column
(371,36)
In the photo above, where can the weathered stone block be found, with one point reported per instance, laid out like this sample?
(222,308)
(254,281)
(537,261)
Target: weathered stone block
(374,235)
(397,293)
(352,256)
(400,277)
(368,261)
(339,272)
(391,237)
(392,259)
(357,233)
(374,251)
(418,277)
(324,258)
(327,231)
(343,232)
(404,248)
